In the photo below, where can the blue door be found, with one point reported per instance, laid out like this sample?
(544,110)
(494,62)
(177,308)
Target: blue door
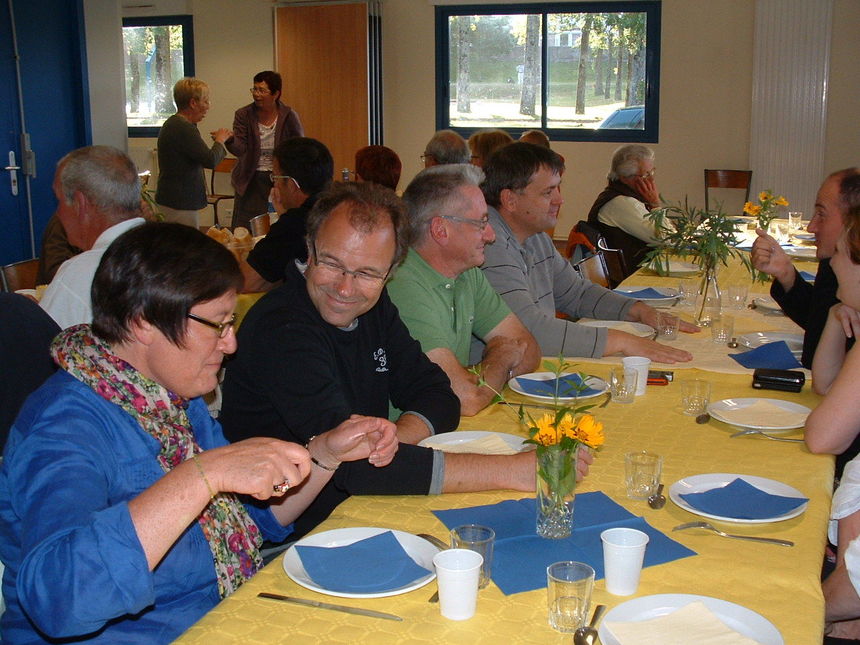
(54,98)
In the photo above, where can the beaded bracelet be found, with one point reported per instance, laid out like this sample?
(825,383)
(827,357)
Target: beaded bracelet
(315,460)
(203,475)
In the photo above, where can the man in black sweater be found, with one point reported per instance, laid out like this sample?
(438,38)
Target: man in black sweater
(807,304)
(329,343)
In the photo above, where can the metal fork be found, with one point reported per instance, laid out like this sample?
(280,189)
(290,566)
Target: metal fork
(710,527)
(432,539)
(749,431)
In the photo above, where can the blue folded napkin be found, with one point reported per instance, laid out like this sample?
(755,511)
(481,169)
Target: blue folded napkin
(644,294)
(743,501)
(374,564)
(521,557)
(567,386)
(776,356)
(807,276)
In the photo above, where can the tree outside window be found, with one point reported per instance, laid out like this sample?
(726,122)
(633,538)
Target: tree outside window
(585,71)
(158,51)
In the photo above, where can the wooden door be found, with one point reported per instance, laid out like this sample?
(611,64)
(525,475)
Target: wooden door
(321,53)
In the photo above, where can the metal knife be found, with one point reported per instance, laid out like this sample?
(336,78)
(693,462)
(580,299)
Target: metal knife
(324,605)
(432,539)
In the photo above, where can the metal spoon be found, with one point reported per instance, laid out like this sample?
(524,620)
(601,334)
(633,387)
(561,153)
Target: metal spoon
(658,499)
(710,527)
(588,635)
(749,431)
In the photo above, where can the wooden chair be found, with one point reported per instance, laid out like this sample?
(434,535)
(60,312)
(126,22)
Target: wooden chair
(739,179)
(19,275)
(615,263)
(225,166)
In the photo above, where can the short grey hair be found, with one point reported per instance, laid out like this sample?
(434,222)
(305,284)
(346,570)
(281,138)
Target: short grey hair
(625,161)
(105,176)
(435,192)
(448,147)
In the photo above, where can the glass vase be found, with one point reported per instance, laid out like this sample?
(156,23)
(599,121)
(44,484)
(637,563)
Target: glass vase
(555,491)
(709,301)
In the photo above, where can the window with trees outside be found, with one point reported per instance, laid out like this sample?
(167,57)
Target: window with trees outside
(583,71)
(158,51)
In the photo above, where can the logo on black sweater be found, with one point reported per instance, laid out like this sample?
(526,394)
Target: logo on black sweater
(379,357)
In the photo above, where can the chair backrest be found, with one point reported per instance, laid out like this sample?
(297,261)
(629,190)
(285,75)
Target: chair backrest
(19,275)
(739,179)
(575,239)
(594,269)
(613,260)
(590,231)
(224,166)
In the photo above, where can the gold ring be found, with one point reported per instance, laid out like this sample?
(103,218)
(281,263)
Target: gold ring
(283,487)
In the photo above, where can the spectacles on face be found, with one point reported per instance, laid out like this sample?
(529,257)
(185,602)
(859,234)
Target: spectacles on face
(335,270)
(259,90)
(480,224)
(648,174)
(285,178)
(425,156)
(222,327)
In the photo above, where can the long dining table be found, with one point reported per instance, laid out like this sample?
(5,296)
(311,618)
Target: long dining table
(782,584)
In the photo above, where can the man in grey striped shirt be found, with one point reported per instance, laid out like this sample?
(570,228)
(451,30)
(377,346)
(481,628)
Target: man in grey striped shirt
(522,190)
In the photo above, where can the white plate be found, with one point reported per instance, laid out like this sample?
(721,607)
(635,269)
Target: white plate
(742,620)
(635,328)
(678,267)
(804,252)
(719,408)
(669,294)
(702,483)
(766,303)
(759,338)
(417,548)
(806,237)
(453,439)
(594,382)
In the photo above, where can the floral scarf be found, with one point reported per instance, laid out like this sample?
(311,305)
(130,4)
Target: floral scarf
(232,535)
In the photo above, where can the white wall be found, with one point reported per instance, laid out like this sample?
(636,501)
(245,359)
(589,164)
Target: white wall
(106,77)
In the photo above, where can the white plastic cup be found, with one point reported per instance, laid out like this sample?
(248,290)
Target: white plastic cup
(623,553)
(641,365)
(457,574)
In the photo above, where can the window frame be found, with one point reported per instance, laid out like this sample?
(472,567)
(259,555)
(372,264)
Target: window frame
(186,21)
(653,11)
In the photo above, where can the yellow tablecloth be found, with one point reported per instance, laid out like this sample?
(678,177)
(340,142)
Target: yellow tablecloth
(780,583)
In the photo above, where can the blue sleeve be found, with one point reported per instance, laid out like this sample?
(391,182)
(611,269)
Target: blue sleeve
(209,434)
(79,548)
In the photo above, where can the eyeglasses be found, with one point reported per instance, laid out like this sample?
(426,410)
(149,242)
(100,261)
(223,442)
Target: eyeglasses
(285,178)
(222,327)
(335,269)
(259,90)
(648,174)
(480,224)
(425,156)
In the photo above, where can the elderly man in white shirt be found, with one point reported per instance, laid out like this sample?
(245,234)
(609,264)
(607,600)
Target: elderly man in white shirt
(621,211)
(98,199)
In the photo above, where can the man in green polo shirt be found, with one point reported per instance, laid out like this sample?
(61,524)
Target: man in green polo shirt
(443,296)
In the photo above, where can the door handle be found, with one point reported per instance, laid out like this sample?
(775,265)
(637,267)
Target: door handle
(13,173)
